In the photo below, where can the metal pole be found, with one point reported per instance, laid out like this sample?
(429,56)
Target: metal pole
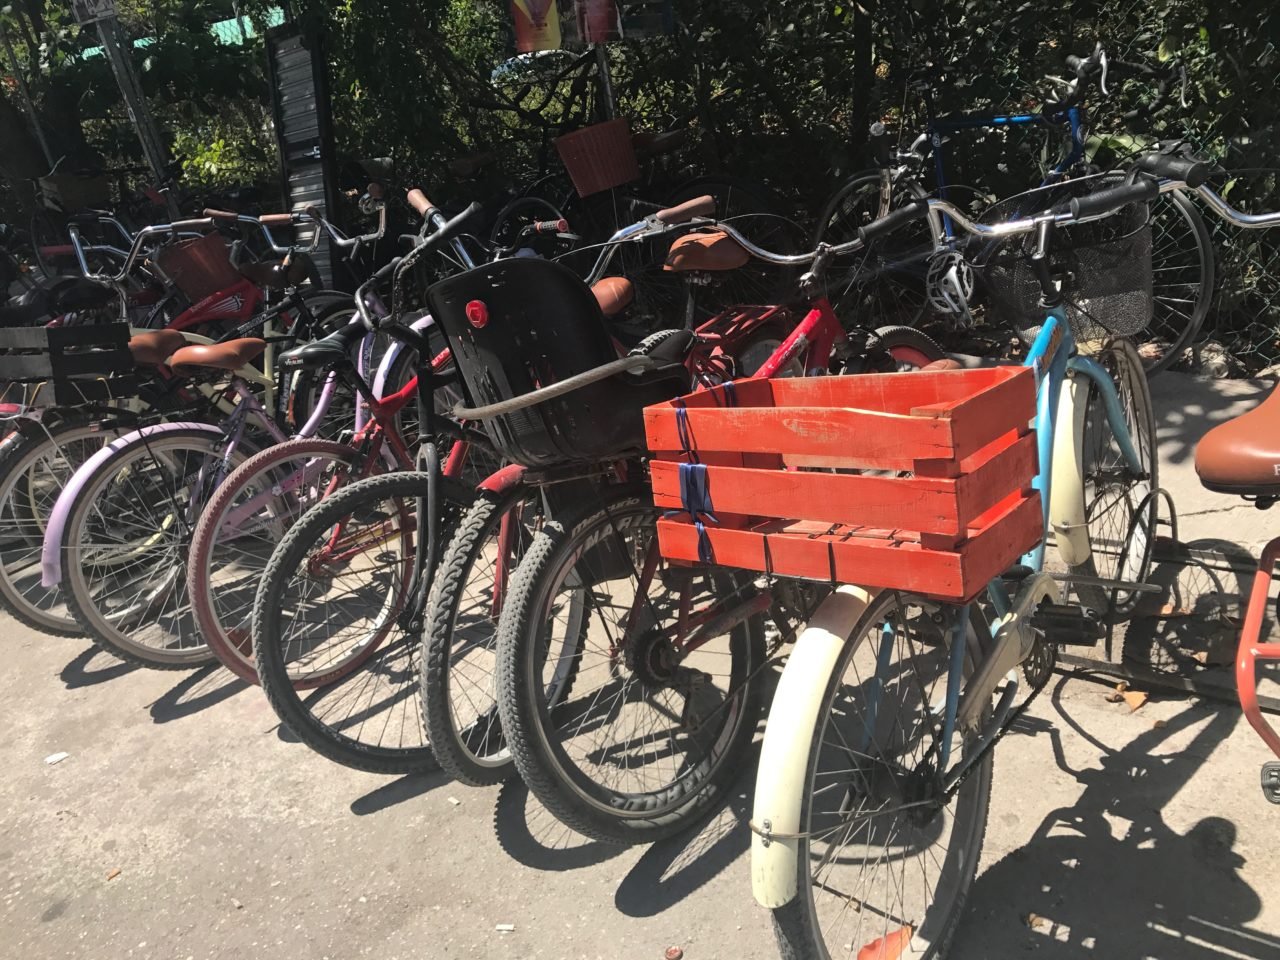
(606,82)
(152,146)
(26,97)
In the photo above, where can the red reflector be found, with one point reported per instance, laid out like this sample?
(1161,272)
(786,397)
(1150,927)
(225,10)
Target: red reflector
(477,314)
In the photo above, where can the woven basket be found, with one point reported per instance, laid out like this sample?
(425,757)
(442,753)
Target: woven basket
(599,157)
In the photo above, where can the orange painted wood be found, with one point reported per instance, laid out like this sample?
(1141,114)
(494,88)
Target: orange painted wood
(845,555)
(964,516)
(922,504)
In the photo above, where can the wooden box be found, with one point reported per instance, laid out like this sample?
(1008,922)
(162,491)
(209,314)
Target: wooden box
(918,481)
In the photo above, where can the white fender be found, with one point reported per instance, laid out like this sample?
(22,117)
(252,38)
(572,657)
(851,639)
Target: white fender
(1066,485)
(51,550)
(792,725)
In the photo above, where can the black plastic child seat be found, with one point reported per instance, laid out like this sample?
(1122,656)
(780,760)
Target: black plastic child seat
(518,325)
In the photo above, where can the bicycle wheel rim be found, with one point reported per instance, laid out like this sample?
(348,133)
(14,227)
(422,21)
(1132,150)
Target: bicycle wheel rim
(894,919)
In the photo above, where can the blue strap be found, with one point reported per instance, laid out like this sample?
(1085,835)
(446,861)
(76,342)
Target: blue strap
(683,432)
(695,496)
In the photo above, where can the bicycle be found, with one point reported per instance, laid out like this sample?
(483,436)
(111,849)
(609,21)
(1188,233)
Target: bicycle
(143,493)
(826,788)
(908,278)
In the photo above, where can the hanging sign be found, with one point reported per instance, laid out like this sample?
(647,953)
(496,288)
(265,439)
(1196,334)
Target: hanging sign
(597,21)
(537,25)
(90,11)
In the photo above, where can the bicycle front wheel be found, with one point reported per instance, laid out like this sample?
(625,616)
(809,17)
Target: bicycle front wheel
(126,541)
(34,467)
(622,733)
(239,530)
(886,860)
(1119,502)
(327,615)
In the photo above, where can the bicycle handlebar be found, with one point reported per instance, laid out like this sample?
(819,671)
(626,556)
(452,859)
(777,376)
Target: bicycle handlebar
(1098,65)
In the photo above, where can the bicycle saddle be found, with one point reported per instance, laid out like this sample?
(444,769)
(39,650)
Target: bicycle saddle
(231,355)
(275,274)
(614,294)
(695,252)
(326,352)
(24,312)
(155,346)
(1242,456)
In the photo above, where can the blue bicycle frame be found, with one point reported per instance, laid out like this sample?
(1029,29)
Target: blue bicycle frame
(938,127)
(1053,355)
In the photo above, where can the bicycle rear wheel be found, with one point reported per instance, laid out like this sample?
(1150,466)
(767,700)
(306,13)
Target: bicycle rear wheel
(885,861)
(126,541)
(238,531)
(617,732)
(327,613)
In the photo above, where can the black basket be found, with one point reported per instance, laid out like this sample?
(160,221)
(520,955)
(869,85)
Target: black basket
(83,364)
(1103,267)
(517,325)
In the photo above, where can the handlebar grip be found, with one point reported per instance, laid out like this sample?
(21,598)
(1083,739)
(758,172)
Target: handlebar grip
(704,206)
(220,214)
(1194,172)
(418,200)
(1113,198)
(276,219)
(915,210)
(201,224)
(551,226)
(1076,64)
(453,226)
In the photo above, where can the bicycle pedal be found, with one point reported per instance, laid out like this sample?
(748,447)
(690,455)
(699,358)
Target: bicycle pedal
(1271,781)
(1069,625)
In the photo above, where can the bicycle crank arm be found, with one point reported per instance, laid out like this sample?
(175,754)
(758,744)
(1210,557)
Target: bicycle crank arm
(1011,644)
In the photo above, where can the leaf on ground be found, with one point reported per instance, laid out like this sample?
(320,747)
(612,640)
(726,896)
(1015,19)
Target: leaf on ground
(113,873)
(889,947)
(1135,698)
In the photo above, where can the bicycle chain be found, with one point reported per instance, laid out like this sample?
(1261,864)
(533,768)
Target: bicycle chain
(1013,718)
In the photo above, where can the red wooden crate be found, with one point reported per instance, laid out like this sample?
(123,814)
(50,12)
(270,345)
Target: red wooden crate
(964,515)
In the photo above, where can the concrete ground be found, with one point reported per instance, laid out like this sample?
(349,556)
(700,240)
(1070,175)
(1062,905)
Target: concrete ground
(184,824)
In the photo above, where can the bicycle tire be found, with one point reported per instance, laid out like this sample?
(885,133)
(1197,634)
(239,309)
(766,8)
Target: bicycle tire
(171,529)
(472,752)
(393,660)
(796,924)
(230,641)
(597,810)
(1118,507)
(24,515)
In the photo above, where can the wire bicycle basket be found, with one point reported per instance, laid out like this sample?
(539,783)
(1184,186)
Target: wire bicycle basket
(1103,268)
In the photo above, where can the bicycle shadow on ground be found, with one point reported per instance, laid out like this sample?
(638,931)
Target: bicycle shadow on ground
(1107,877)
(671,870)
(196,691)
(91,667)
(1186,408)
(408,787)
(532,836)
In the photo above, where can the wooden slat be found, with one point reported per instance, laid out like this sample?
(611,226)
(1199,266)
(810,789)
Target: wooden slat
(884,440)
(920,504)
(1008,470)
(103,362)
(37,366)
(983,417)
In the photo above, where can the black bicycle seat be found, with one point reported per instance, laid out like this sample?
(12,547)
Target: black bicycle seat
(330,351)
(25,311)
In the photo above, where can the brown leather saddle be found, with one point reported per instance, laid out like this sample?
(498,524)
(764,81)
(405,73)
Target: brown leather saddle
(1242,456)
(705,252)
(231,355)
